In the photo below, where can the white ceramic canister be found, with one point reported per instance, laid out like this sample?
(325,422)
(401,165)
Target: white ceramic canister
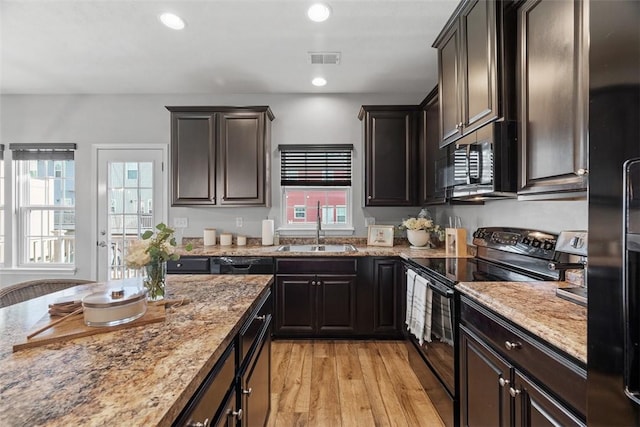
(226,239)
(209,236)
(241,240)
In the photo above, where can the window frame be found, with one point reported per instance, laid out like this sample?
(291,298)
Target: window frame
(22,210)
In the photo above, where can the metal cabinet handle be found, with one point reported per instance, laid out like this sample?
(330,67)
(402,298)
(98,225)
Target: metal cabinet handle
(237,414)
(369,197)
(582,172)
(514,392)
(198,423)
(247,392)
(512,345)
(261,318)
(503,382)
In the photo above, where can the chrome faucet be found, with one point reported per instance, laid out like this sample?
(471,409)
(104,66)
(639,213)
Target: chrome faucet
(318,225)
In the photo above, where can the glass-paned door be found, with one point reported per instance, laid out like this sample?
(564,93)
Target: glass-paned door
(131,201)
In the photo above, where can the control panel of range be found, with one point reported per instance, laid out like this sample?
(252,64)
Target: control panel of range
(517,240)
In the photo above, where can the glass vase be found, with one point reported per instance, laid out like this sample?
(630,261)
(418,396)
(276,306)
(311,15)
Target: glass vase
(154,279)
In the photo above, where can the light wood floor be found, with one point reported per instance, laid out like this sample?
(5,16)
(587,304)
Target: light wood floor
(346,383)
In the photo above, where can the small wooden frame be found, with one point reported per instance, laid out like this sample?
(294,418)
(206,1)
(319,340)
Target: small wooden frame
(380,235)
(456,242)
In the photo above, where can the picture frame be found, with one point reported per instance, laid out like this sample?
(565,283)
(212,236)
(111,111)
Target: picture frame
(380,235)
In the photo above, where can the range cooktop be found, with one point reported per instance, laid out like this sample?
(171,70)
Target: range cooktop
(454,270)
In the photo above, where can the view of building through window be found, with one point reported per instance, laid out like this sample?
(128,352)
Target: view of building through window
(301,205)
(46,207)
(2,211)
(130,192)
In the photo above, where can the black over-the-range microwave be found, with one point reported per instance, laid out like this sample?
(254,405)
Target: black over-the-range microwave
(483,164)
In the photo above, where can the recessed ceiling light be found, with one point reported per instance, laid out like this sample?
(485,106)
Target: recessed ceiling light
(319,12)
(319,81)
(172,21)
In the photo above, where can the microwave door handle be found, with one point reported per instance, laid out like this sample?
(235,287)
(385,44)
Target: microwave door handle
(468,152)
(629,291)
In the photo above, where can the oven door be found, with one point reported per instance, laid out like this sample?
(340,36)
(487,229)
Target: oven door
(435,337)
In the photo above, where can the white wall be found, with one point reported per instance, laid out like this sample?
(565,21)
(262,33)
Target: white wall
(143,119)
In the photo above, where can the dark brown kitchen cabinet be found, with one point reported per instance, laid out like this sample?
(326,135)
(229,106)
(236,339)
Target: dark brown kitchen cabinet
(220,156)
(379,303)
(237,391)
(315,297)
(390,154)
(508,377)
(553,101)
(473,68)
(433,159)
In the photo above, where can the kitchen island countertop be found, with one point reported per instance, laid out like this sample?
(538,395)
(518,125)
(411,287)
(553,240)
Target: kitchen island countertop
(535,307)
(142,375)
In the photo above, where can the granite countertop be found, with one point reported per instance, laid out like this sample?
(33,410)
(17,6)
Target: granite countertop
(142,375)
(404,251)
(535,307)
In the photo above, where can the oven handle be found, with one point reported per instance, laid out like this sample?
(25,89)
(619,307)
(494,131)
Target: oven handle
(437,287)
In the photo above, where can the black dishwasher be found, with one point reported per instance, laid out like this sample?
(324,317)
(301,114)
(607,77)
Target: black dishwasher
(221,265)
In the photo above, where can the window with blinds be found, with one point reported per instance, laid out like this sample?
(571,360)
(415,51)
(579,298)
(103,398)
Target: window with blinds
(315,165)
(316,182)
(45,197)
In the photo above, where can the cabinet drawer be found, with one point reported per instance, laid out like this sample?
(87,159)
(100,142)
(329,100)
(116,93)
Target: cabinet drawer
(564,378)
(315,265)
(189,265)
(252,328)
(210,397)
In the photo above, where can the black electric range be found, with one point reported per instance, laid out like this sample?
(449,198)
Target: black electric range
(503,254)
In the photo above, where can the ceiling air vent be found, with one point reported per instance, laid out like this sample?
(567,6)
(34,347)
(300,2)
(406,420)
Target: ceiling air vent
(324,58)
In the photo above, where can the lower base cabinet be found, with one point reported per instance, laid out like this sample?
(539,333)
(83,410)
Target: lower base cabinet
(237,391)
(510,379)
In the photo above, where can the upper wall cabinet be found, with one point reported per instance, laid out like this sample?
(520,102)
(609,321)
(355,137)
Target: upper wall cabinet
(552,91)
(472,79)
(220,156)
(390,154)
(433,159)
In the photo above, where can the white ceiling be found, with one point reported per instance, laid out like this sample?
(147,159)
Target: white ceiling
(228,46)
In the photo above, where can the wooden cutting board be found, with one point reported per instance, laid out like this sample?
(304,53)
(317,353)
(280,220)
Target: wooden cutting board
(74,327)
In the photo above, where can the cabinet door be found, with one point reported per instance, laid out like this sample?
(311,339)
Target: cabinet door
(390,155)
(295,305)
(193,158)
(241,176)
(336,302)
(478,64)
(449,86)
(228,415)
(552,121)
(484,384)
(256,387)
(386,309)
(534,407)
(433,159)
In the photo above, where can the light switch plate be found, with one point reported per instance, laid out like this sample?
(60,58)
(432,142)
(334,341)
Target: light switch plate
(180,222)
(239,222)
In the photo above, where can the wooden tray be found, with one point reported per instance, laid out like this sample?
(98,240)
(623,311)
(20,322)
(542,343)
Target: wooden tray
(74,327)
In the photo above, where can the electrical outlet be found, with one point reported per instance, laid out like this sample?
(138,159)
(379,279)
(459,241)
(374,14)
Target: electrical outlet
(239,222)
(369,220)
(180,222)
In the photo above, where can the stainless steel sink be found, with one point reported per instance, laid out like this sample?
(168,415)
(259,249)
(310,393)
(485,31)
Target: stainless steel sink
(317,248)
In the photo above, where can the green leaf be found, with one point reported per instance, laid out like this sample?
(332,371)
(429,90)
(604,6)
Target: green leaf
(188,247)
(147,234)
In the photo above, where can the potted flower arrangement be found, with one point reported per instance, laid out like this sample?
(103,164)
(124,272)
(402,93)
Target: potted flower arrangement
(151,254)
(420,230)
